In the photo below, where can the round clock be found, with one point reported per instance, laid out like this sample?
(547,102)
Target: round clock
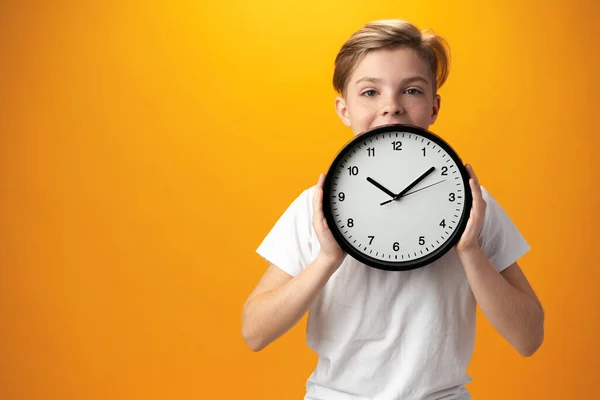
(397,197)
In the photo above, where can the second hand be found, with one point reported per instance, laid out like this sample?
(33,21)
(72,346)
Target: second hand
(414,191)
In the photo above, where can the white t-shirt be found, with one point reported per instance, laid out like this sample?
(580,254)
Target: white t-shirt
(390,334)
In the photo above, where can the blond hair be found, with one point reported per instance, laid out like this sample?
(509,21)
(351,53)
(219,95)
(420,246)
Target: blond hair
(386,34)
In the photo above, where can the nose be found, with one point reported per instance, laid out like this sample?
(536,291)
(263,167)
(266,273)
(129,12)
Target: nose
(392,107)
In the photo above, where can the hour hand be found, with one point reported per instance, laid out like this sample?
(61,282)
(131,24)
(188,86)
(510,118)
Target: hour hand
(381,187)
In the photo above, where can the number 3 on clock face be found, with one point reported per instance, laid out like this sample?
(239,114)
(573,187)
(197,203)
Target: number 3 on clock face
(397,197)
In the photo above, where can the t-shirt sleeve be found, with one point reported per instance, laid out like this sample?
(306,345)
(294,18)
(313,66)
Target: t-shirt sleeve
(499,237)
(288,244)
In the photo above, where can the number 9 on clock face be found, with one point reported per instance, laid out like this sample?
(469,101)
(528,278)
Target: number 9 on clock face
(397,197)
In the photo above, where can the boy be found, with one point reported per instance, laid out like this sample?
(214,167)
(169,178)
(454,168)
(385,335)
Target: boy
(382,334)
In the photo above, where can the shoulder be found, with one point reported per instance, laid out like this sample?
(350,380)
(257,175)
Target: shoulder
(303,202)
(493,209)
(499,236)
(495,217)
(486,195)
(289,243)
(494,220)
(298,212)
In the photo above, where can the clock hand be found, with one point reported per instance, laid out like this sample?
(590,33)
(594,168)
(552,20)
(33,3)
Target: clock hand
(419,179)
(378,185)
(414,191)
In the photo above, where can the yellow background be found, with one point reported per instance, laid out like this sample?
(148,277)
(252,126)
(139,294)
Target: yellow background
(147,148)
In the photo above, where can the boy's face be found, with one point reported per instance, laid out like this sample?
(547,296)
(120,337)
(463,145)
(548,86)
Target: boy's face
(389,86)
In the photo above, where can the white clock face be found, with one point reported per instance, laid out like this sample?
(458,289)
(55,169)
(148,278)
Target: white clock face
(364,204)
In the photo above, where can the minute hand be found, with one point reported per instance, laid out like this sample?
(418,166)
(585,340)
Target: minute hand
(419,179)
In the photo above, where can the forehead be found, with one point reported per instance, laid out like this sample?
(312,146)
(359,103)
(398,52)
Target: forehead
(391,65)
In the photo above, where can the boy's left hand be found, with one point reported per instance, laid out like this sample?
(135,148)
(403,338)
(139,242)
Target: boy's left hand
(468,240)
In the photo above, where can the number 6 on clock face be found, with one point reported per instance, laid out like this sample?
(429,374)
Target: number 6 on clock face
(397,197)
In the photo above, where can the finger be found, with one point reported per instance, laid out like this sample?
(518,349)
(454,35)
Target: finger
(467,233)
(472,173)
(477,196)
(317,201)
(317,189)
(319,205)
(325,224)
(479,205)
(477,188)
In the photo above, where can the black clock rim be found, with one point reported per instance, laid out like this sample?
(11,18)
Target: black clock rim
(396,265)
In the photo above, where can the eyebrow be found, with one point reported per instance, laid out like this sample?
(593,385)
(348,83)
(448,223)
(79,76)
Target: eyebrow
(411,79)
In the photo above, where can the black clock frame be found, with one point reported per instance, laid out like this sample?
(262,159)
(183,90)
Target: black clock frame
(404,265)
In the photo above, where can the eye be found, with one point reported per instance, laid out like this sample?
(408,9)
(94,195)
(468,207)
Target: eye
(369,93)
(413,91)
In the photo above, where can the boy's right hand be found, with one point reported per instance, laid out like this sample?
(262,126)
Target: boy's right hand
(331,252)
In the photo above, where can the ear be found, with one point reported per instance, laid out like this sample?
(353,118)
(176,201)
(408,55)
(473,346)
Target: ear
(342,110)
(435,110)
